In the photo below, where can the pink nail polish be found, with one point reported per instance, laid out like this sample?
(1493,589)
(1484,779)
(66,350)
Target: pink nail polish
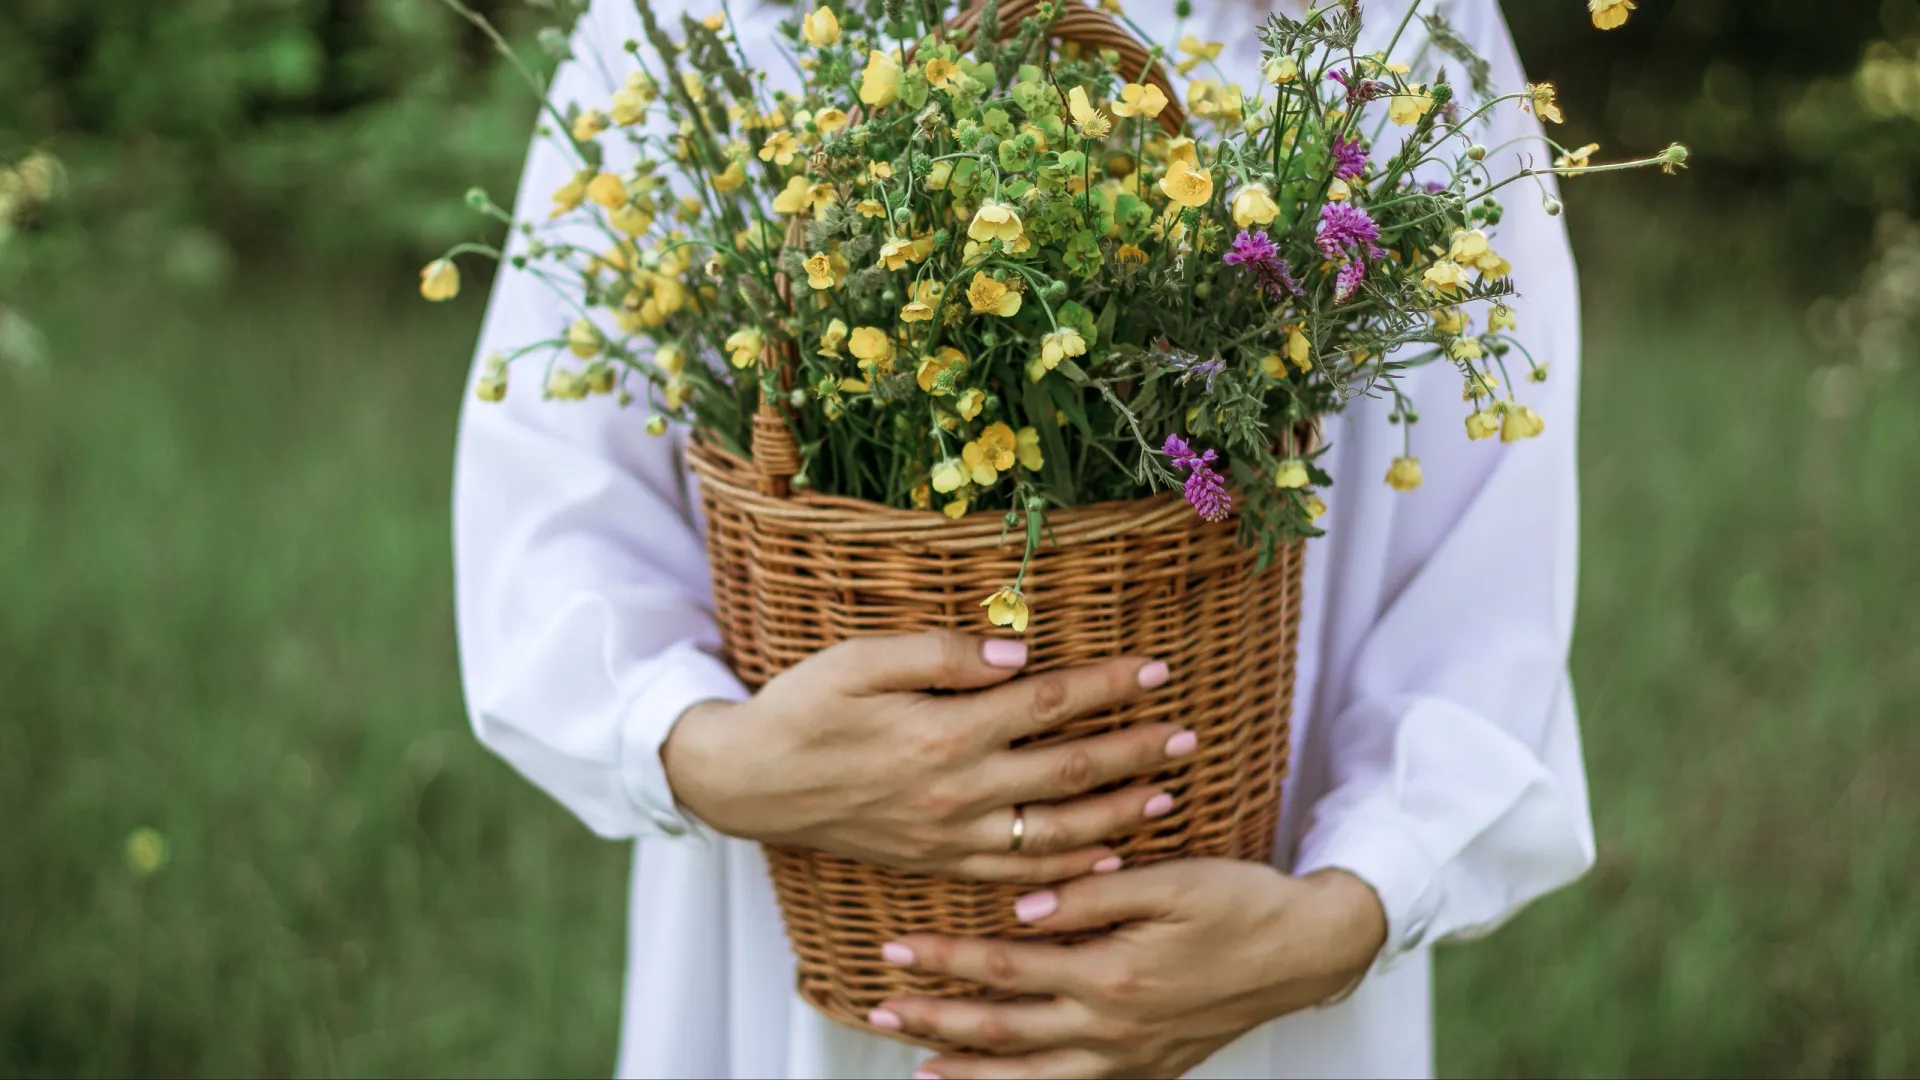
(884,1020)
(922,1074)
(1002,653)
(1182,744)
(895,953)
(1160,805)
(1036,906)
(1108,865)
(1154,674)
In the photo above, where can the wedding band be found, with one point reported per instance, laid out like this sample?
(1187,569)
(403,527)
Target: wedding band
(1019,828)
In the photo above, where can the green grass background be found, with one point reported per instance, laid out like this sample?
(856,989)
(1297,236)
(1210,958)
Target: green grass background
(225,613)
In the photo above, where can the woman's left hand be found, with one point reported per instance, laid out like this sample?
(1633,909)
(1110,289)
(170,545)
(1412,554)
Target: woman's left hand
(1206,950)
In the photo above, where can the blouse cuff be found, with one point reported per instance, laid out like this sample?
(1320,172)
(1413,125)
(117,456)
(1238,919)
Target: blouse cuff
(1380,852)
(683,676)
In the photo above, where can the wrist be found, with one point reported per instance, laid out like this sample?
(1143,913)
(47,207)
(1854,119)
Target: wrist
(694,756)
(1356,928)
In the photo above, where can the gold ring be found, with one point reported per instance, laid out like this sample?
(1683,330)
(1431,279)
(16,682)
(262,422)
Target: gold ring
(1019,828)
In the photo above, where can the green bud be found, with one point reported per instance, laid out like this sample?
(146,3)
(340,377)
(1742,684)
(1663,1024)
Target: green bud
(1035,504)
(1012,519)
(1183,9)
(1476,152)
(1551,205)
(477,198)
(798,399)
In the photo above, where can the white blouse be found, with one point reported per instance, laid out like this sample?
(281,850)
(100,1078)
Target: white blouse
(1436,750)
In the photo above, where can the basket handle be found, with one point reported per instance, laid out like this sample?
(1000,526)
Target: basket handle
(775,456)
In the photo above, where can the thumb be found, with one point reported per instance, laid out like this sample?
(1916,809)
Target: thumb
(1101,900)
(930,660)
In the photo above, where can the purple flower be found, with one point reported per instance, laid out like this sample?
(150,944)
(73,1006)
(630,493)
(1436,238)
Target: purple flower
(1345,227)
(1348,157)
(1348,281)
(1257,252)
(1206,490)
(1363,90)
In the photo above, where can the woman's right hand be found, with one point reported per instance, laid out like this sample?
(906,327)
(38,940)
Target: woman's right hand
(895,750)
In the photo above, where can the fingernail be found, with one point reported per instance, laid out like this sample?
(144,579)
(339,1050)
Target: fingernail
(1109,864)
(884,1020)
(896,953)
(1036,906)
(922,1074)
(1003,653)
(1154,674)
(1160,805)
(1182,743)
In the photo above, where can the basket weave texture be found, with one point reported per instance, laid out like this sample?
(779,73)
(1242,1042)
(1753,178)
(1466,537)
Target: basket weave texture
(794,575)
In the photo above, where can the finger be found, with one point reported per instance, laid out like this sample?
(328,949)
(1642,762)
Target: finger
(1146,892)
(1039,703)
(1046,1065)
(1024,967)
(1030,869)
(1061,771)
(1068,826)
(995,1027)
(930,660)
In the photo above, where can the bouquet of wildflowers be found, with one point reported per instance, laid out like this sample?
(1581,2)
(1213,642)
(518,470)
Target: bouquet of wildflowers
(1009,276)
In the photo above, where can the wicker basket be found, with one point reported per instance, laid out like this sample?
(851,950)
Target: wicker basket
(795,573)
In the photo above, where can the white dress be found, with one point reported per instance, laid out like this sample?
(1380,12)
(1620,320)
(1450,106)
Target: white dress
(1437,753)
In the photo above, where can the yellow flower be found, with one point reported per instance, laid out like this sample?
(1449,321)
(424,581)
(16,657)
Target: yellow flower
(1407,109)
(872,347)
(922,496)
(1007,608)
(676,392)
(870,208)
(583,339)
(1479,384)
(589,124)
(631,220)
(995,221)
(1449,320)
(1187,185)
(1520,422)
(715,22)
(895,253)
(941,73)
(1501,318)
(990,297)
(608,190)
(949,361)
(1576,159)
(440,280)
(880,83)
(670,358)
(1144,101)
(1338,191)
(779,148)
(922,301)
(1196,52)
(969,404)
(491,386)
(879,170)
(1482,423)
(1299,350)
(1609,14)
(571,194)
(629,107)
(834,336)
(1253,205)
(1274,366)
(956,509)
(989,455)
(1540,99)
(1404,474)
(1026,447)
(1491,265)
(1282,69)
(820,271)
(800,196)
(1091,121)
(1465,348)
(949,476)
(147,849)
(1061,344)
(1291,473)
(1181,149)
(830,120)
(1467,247)
(1445,275)
(733,179)
(1130,255)
(821,28)
(745,347)
(1315,509)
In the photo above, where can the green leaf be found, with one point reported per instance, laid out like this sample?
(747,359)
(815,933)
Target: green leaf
(1069,402)
(1039,408)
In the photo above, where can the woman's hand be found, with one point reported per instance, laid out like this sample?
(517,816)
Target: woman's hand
(895,750)
(1209,949)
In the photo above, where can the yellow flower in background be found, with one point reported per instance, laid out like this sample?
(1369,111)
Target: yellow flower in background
(1479,384)
(1404,474)
(1465,348)
(1187,185)
(1007,608)
(589,124)
(872,347)
(676,392)
(1197,52)
(1467,247)
(834,336)
(969,403)
(1274,366)
(1576,159)
(744,347)
(880,82)
(989,455)
(1254,205)
(821,28)
(995,221)
(870,208)
(922,496)
(670,358)
(796,198)
(1609,14)
(584,340)
(1282,69)
(1091,121)
(1482,423)
(631,220)
(572,193)
(732,179)
(146,849)
(1181,149)
(1299,350)
(1291,473)
(440,280)
(1129,255)
(1026,448)
(830,120)
(949,476)
(629,107)
(941,72)
(656,425)
(1445,276)
(608,190)
(779,148)
(1540,97)
(956,509)
(1338,191)
(895,253)
(1491,265)
(1146,101)
(1407,109)
(697,90)
(1520,422)
(1501,318)
(990,297)
(820,272)
(879,170)
(949,361)
(715,22)
(1315,509)
(1450,320)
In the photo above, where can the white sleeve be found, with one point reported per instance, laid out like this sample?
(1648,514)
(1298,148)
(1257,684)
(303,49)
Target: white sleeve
(582,592)
(1457,788)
